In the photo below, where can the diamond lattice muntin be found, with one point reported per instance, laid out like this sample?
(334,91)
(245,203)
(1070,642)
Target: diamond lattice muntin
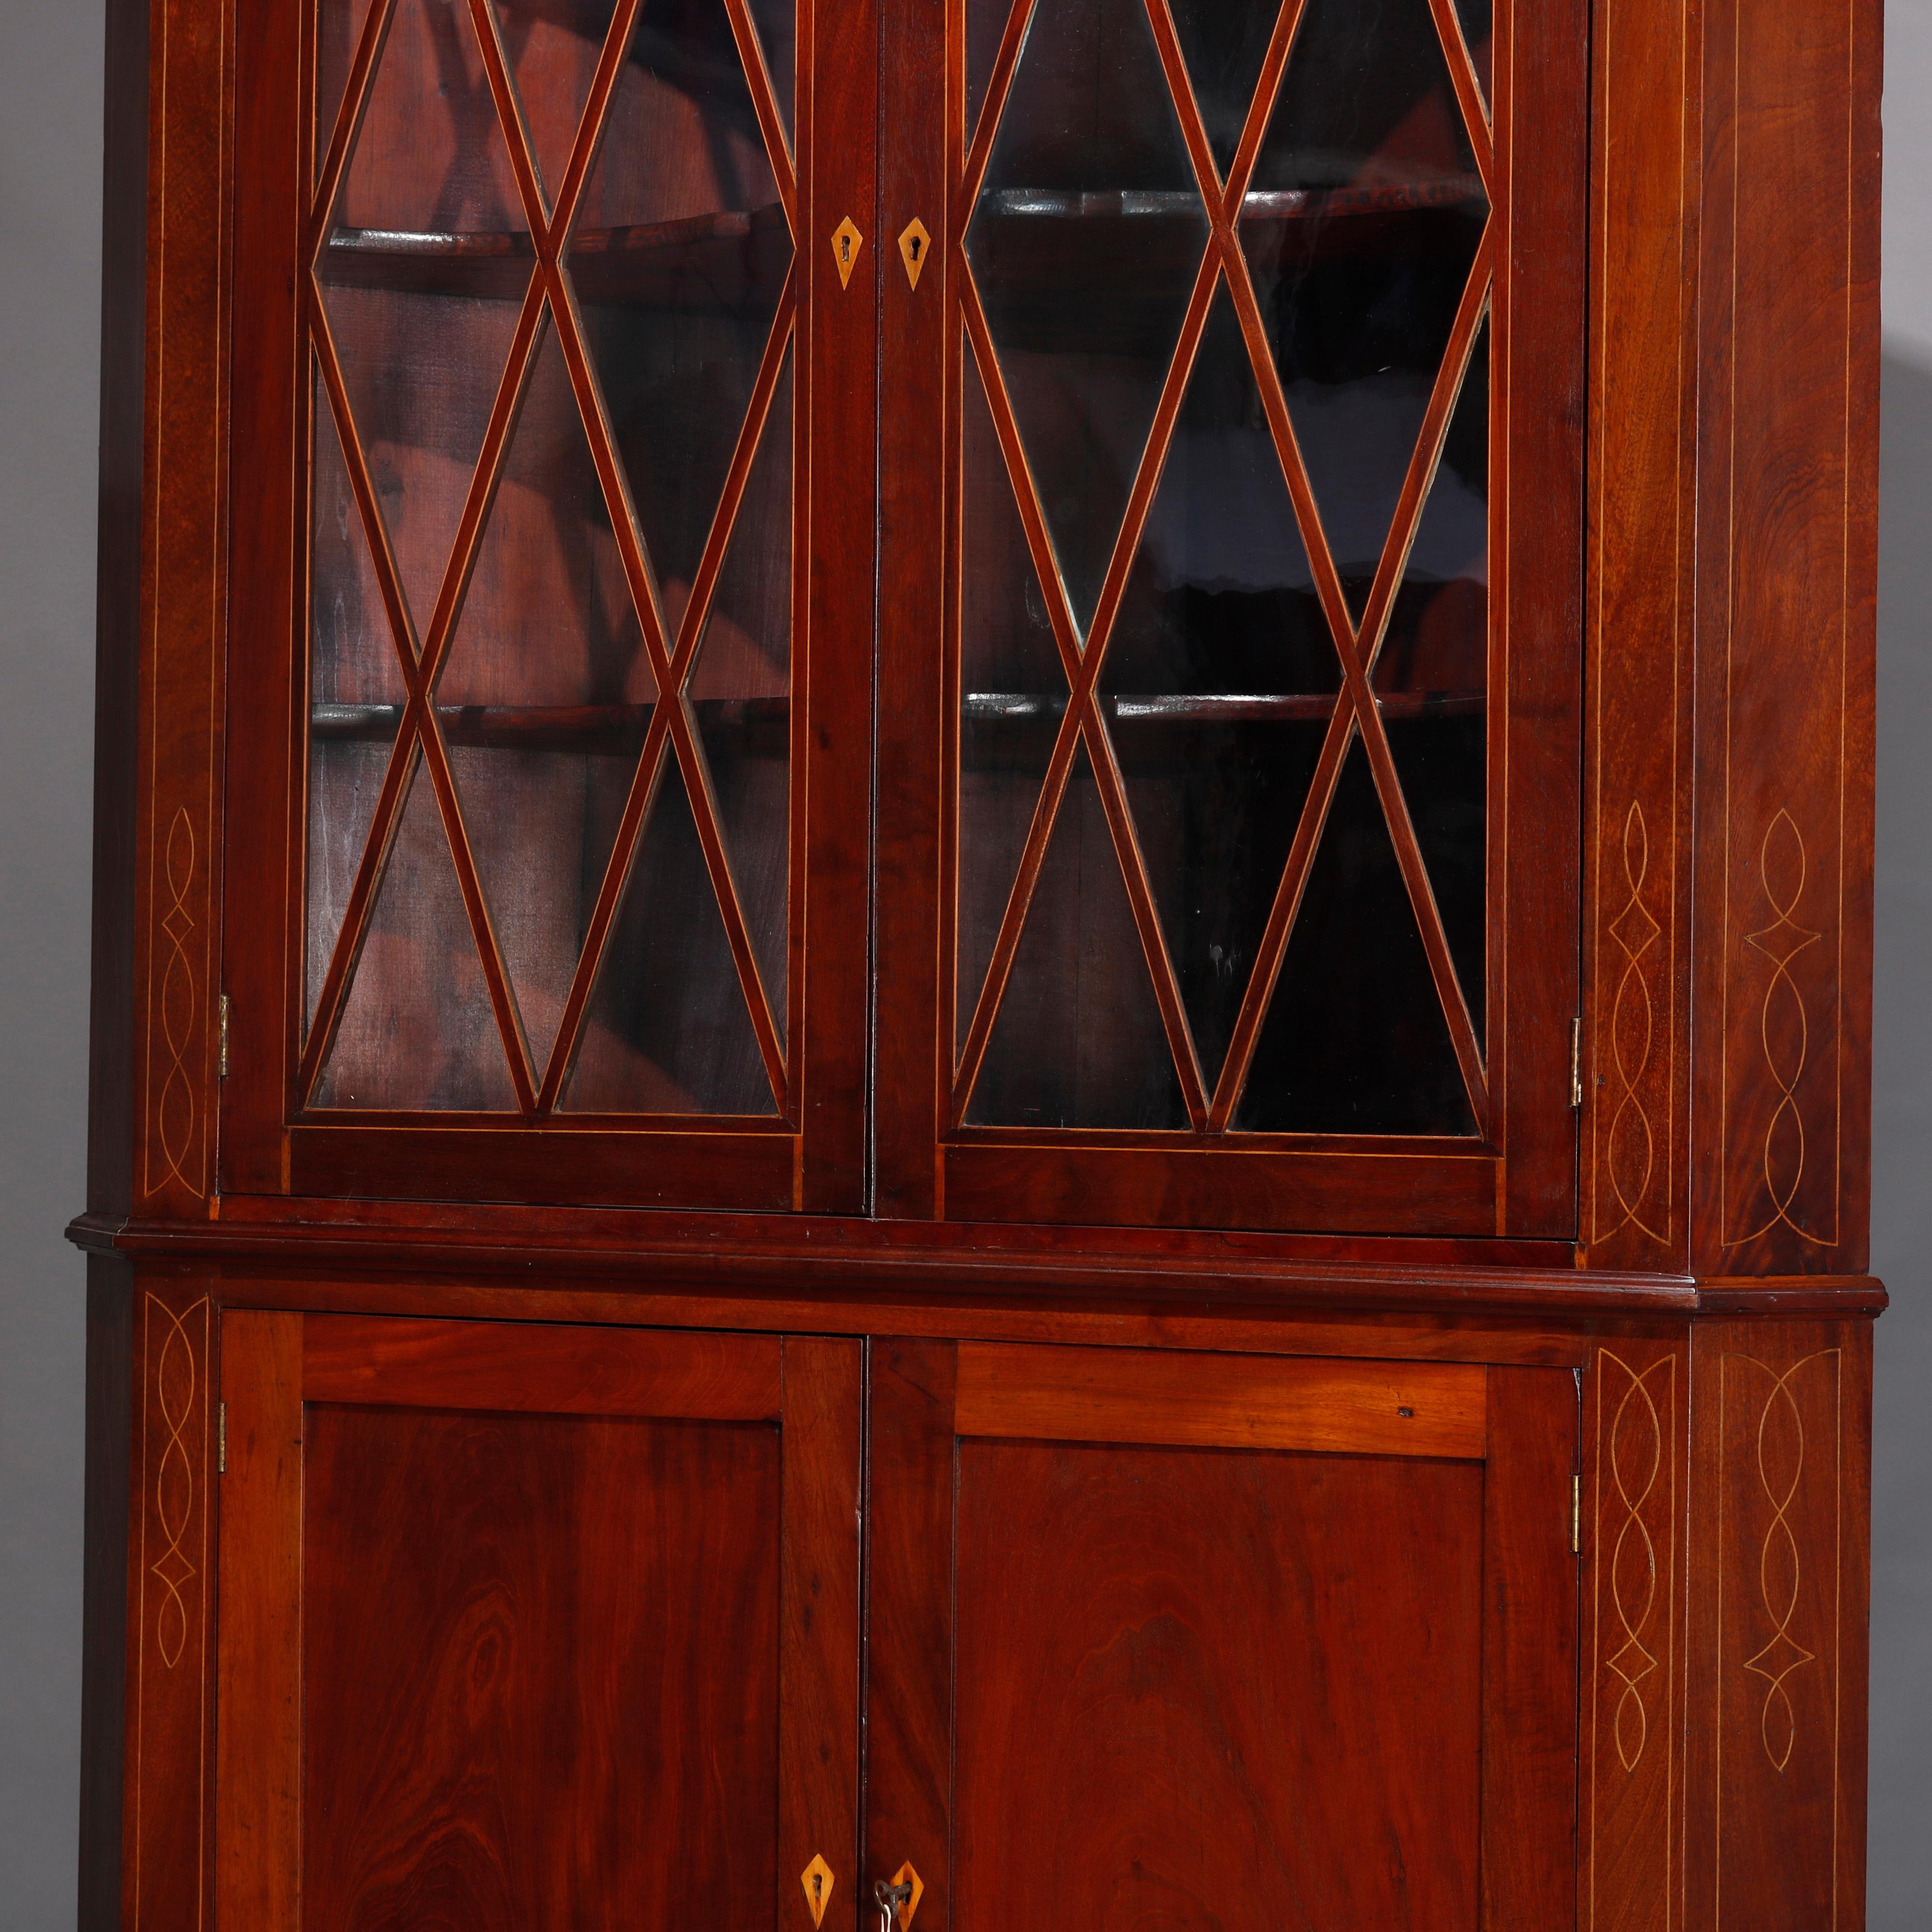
(1223,496)
(550,648)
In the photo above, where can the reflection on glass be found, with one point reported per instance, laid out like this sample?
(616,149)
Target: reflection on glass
(1359,229)
(740,691)
(668,1030)
(1432,680)
(1219,681)
(678,255)
(355,692)
(427,257)
(1079,1041)
(1223,45)
(544,699)
(1476,17)
(678,259)
(1355,1041)
(1013,695)
(553,47)
(1085,243)
(418,1031)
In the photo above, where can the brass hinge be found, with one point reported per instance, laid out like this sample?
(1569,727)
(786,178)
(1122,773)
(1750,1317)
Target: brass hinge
(221,1036)
(1576,1516)
(1576,1061)
(221,1438)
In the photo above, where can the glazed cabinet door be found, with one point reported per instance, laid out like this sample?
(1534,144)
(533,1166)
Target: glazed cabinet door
(1231,612)
(525,1626)
(550,620)
(1191,1641)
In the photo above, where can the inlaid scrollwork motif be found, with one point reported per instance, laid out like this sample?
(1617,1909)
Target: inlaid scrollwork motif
(1783,1025)
(1630,1156)
(175,1111)
(1633,1463)
(175,1388)
(1780,1462)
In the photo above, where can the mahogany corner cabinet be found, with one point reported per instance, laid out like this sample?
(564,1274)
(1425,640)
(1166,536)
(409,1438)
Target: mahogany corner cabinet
(982,1020)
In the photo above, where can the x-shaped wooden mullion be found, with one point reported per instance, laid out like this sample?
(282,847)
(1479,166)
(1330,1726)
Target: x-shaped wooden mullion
(419,731)
(1357,709)
(671,723)
(1082,668)
(419,667)
(673,708)
(1356,648)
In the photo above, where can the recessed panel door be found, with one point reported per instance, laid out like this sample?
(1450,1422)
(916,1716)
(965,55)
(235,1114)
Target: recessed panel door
(1187,1642)
(1247,668)
(524,1626)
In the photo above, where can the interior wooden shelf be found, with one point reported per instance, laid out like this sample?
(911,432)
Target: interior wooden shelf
(1260,205)
(729,259)
(560,728)
(1220,707)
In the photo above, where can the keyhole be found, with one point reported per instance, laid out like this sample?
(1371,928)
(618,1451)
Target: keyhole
(844,248)
(915,248)
(817,1886)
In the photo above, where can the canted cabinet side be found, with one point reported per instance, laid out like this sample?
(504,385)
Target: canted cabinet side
(1734,391)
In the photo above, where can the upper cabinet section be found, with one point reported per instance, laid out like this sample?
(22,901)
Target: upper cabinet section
(1256,802)
(551,630)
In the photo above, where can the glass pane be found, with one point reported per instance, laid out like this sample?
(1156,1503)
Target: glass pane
(777,23)
(418,1031)
(668,1031)
(1478,31)
(1432,679)
(740,689)
(544,699)
(1223,42)
(1359,229)
(1355,1041)
(338,31)
(1079,1041)
(1013,695)
(355,697)
(1219,681)
(679,258)
(426,259)
(554,47)
(986,24)
(1084,245)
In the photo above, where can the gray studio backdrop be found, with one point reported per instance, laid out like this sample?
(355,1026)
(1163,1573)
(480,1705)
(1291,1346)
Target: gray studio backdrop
(49,246)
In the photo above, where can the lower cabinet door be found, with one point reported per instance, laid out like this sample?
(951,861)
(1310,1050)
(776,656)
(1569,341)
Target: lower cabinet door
(527,1627)
(1207,1641)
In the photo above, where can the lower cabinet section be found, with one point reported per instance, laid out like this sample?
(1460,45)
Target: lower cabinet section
(509,1625)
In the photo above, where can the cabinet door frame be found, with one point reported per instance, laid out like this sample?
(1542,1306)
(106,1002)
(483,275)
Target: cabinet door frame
(273,1363)
(925,1398)
(809,1155)
(1517,1176)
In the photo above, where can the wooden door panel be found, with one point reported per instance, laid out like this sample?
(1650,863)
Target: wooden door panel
(519,1643)
(1270,1659)
(539,1666)
(1177,1680)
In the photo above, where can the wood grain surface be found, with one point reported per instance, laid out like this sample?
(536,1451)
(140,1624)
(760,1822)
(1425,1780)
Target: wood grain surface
(1221,1401)
(1151,1727)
